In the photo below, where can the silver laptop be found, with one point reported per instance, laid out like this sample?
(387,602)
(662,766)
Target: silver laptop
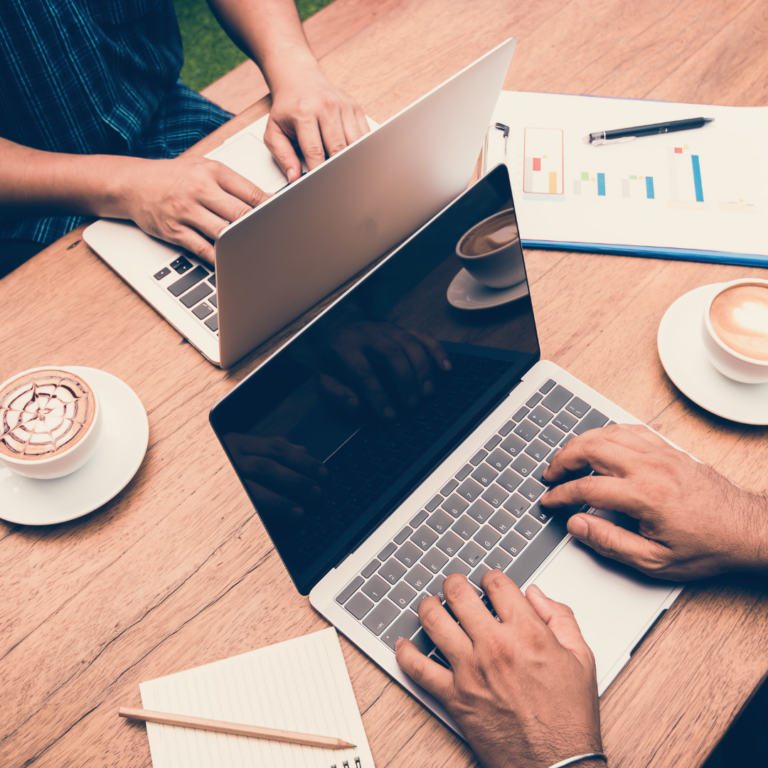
(284,256)
(449,484)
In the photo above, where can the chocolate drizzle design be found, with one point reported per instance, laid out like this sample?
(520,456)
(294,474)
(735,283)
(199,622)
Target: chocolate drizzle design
(44,414)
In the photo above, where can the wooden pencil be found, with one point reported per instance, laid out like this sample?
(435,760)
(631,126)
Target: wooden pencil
(273,734)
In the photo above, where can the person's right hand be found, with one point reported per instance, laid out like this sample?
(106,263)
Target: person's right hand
(186,201)
(692,521)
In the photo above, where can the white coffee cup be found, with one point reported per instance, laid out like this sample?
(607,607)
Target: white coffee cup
(490,251)
(68,460)
(724,357)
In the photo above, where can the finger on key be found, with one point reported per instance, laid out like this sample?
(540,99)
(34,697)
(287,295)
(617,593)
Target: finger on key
(475,618)
(592,450)
(444,632)
(507,599)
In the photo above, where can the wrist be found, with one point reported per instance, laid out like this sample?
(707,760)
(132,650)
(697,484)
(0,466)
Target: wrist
(750,551)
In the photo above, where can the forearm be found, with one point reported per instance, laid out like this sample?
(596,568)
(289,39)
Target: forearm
(748,544)
(33,181)
(270,32)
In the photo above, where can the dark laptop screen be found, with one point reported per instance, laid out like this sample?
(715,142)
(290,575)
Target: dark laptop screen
(334,431)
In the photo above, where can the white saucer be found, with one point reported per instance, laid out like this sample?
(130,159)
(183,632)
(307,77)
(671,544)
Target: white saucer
(682,353)
(123,443)
(465,292)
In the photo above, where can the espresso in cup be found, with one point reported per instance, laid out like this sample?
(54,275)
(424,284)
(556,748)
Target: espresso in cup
(490,251)
(46,418)
(739,317)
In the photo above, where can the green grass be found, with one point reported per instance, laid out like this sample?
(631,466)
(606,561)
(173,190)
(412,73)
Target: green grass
(208,52)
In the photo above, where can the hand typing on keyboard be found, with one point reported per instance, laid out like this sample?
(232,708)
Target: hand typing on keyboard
(380,365)
(522,688)
(693,522)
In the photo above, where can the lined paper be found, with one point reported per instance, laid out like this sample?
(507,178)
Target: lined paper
(300,685)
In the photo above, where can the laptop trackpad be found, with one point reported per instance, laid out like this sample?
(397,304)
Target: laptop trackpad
(612,603)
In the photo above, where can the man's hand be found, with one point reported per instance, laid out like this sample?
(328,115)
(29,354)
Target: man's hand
(186,201)
(692,521)
(522,689)
(310,113)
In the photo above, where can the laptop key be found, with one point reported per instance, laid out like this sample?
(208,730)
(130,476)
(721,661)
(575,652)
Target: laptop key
(464,472)
(465,526)
(456,566)
(455,505)
(513,543)
(487,537)
(424,538)
(542,514)
(405,626)
(164,272)
(540,415)
(534,399)
(350,589)
(420,597)
(387,551)
(546,387)
(499,459)
(359,605)
(567,439)
(485,475)
(472,553)
(478,457)
(370,569)
(557,398)
(537,450)
(402,595)
(213,322)
(537,552)
(181,265)
(480,511)
(202,311)
(521,414)
(538,473)
(507,428)
(433,504)
(495,495)
(196,295)
(212,279)
(418,577)
(214,300)
(434,560)
(528,527)
(513,445)
(408,554)
(393,570)
(422,642)
(509,480)
(403,535)
(449,488)
(531,489)
(527,430)
(492,443)
(593,420)
(524,464)
(577,407)
(419,519)
(376,588)
(498,558)
(381,617)
(436,586)
(517,504)
(439,521)
(450,543)
(565,421)
(502,521)
(470,489)
(551,435)
(478,573)
(186,282)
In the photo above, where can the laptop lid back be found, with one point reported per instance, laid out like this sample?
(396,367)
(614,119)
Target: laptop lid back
(280,259)
(337,428)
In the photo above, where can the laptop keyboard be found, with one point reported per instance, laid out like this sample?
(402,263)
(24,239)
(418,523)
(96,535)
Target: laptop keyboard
(487,516)
(194,285)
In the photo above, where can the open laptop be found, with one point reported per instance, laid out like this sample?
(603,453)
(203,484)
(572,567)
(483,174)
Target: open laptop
(285,255)
(450,485)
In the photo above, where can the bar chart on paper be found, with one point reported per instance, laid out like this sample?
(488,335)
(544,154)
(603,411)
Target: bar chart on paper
(543,163)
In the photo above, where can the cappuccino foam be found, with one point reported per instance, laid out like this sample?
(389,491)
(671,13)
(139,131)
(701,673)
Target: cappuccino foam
(43,414)
(490,235)
(739,317)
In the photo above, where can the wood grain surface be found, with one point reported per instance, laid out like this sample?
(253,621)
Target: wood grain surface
(177,571)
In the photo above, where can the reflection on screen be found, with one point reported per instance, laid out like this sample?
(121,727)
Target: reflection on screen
(338,428)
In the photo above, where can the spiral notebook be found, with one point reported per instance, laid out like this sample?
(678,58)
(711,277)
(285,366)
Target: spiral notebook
(300,685)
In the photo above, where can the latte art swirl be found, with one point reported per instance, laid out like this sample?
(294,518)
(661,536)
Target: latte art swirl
(44,414)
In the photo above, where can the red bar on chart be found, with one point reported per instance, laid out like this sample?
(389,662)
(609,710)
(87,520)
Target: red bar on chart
(679,150)
(536,163)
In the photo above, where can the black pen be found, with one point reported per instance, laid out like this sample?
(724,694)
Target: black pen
(627,134)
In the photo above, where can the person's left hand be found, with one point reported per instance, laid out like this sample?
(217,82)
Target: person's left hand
(311,113)
(522,689)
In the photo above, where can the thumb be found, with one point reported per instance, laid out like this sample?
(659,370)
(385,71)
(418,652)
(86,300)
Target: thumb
(282,150)
(615,542)
(561,621)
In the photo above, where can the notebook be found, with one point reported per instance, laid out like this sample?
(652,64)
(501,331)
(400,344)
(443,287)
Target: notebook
(696,195)
(299,685)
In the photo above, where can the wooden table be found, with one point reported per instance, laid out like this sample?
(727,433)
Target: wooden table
(177,571)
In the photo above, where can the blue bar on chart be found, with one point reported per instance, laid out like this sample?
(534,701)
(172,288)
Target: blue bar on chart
(697,178)
(601,184)
(649,187)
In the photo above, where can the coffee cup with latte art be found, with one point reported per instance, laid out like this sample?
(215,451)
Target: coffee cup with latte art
(735,330)
(50,421)
(490,251)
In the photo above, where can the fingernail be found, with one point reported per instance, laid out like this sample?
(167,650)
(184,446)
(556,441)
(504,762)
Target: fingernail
(577,526)
(429,388)
(398,643)
(535,589)
(389,413)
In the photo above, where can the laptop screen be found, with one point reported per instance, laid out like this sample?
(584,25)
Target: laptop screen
(331,434)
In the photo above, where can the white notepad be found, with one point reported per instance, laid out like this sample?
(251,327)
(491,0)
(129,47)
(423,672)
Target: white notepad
(300,685)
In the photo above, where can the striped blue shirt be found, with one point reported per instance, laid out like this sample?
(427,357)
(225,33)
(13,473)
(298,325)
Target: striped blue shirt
(94,77)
